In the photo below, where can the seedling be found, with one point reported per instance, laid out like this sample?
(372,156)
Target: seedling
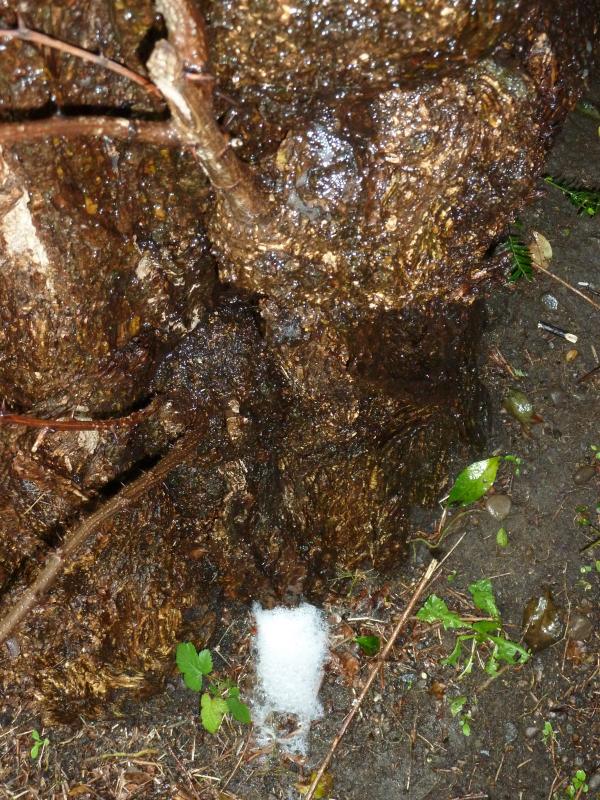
(502,538)
(464,720)
(485,633)
(38,744)
(578,785)
(548,734)
(220,698)
(474,481)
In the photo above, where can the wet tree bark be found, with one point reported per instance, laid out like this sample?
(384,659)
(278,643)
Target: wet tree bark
(280,245)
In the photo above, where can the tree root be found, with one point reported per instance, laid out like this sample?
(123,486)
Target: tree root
(81,534)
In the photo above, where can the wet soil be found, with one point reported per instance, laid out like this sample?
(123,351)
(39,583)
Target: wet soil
(405,742)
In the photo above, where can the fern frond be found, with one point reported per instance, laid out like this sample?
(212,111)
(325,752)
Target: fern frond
(520,258)
(585,200)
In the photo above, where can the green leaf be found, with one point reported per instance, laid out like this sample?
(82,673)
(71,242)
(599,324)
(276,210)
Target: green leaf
(368,644)
(474,481)
(484,627)
(483,597)
(212,711)
(457,704)
(238,710)
(453,659)
(491,665)
(465,727)
(38,744)
(435,610)
(520,256)
(205,662)
(584,200)
(193,665)
(508,651)
(502,538)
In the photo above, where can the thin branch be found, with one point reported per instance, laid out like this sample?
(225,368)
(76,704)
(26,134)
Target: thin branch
(160,133)
(372,675)
(35,37)
(74,424)
(187,33)
(192,110)
(82,533)
(565,284)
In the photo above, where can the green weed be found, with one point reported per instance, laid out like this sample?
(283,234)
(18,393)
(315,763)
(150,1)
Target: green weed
(220,698)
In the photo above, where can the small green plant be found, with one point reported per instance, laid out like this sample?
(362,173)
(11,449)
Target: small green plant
(586,201)
(486,633)
(548,735)
(520,256)
(475,480)
(502,538)
(464,720)
(38,744)
(578,785)
(596,450)
(220,698)
(370,645)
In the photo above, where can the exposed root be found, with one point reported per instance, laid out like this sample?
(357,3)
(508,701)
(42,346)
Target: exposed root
(73,424)
(159,133)
(81,534)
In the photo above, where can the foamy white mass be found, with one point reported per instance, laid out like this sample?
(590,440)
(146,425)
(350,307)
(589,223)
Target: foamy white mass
(291,649)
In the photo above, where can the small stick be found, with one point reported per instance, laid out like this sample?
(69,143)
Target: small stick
(588,375)
(35,37)
(72,424)
(570,337)
(81,534)
(565,284)
(372,675)
(160,133)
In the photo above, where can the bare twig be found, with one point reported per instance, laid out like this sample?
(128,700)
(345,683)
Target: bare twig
(35,37)
(81,534)
(73,424)
(372,675)
(565,284)
(193,114)
(160,133)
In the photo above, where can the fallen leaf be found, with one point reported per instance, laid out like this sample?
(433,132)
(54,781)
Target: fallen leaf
(324,786)
(540,249)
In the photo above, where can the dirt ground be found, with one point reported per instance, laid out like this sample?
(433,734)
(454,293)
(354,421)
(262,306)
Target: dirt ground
(405,743)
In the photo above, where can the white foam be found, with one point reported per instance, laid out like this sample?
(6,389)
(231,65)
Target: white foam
(291,649)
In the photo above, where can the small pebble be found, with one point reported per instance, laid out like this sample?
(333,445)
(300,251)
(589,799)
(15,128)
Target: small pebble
(580,627)
(557,396)
(498,505)
(531,731)
(550,301)
(594,782)
(583,475)
(510,732)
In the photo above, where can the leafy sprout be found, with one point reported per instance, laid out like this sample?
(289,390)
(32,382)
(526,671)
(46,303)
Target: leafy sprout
(220,698)
(38,744)
(485,632)
(578,785)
